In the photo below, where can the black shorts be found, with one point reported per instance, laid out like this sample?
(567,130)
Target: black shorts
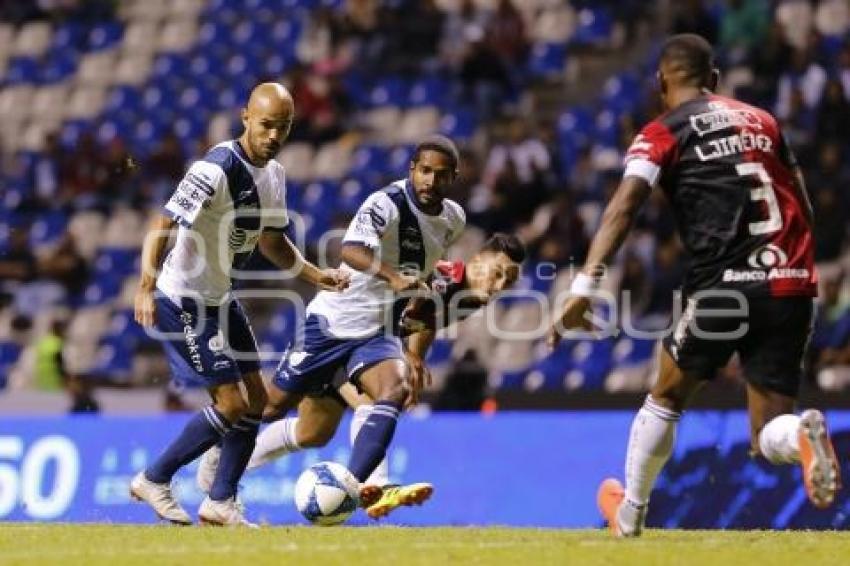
(770,335)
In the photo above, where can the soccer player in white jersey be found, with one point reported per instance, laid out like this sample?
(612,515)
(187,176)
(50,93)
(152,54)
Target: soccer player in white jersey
(230,201)
(395,240)
(456,291)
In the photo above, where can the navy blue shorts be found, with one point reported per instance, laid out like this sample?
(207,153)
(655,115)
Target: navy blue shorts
(315,358)
(206,345)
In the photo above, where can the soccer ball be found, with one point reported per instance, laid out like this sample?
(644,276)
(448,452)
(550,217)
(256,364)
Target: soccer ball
(326,493)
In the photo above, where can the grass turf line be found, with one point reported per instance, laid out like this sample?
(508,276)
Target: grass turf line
(113,545)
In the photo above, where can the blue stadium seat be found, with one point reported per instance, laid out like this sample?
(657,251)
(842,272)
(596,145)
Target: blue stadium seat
(48,227)
(123,325)
(71,131)
(101,291)
(630,352)
(607,129)
(122,98)
(593,359)
(9,354)
(554,365)
(104,35)
(594,26)
(368,159)
(547,59)
(389,91)
(621,93)
(113,360)
(319,197)
(69,36)
(57,65)
(22,70)
(459,124)
(428,91)
(440,352)
(352,193)
(399,160)
(512,380)
(116,262)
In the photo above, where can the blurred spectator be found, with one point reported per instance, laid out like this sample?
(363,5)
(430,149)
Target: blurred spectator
(804,75)
(486,81)
(743,25)
(17,261)
(831,336)
(768,63)
(66,266)
(830,224)
(51,373)
(833,114)
(505,32)
(469,21)
(322,105)
(525,152)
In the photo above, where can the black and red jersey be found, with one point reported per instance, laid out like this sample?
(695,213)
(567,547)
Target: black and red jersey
(444,304)
(729,175)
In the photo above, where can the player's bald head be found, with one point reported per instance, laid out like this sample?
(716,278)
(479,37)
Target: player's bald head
(270,98)
(267,119)
(687,59)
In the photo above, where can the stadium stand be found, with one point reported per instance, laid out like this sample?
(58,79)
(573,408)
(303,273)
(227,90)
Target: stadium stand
(101,108)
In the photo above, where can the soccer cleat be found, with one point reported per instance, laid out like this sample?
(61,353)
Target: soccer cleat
(369,495)
(395,496)
(821,474)
(158,496)
(206,469)
(227,513)
(609,497)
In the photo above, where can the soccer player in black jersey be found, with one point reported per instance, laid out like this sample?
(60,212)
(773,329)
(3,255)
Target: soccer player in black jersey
(746,222)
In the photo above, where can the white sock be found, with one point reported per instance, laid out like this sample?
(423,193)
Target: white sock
(650,445)
(381,475)
(276,440)
(778,440)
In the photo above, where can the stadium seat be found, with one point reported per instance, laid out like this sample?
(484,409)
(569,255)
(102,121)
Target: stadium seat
(398,161)
(459,124)
(352,193)
(428,91)
(332,160)
(104,35)
(547,60)
(113,360)
(22,70)
(178,36)
(58,65)
(382,123)
(97,68)
(49,227)
(133,69)
(368,159)
(298,160)
(32,40)
(9,354)
(417,123)
(85,102)
(594,27)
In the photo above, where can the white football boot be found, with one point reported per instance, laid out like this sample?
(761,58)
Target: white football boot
(159,496)
(227,513)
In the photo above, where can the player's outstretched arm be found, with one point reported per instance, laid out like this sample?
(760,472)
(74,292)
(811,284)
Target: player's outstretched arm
(416,350)
(616,223)
(280,250)
(153,250)
(362,258)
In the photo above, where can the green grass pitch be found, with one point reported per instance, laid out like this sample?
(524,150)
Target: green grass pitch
(118,545)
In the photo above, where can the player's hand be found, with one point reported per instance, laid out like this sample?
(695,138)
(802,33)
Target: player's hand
(575,316)
(420,377)
(145,308)
(333,280)
(403,282)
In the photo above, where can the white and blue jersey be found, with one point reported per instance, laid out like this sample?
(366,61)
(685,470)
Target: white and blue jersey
(390,223)
(222,205)
(348,331)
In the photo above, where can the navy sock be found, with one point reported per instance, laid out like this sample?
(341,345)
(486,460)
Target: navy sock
(372,441)
(236,449)
(202,432)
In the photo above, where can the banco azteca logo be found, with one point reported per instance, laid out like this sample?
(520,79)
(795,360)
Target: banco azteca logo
(767,257)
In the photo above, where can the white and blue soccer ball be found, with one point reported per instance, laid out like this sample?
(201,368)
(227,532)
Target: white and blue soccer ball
(326,493)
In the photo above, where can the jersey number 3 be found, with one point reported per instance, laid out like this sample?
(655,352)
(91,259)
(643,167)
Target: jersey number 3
(762,192)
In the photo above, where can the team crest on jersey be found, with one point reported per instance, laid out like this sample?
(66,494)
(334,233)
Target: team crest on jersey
(216,343)
(296,358)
